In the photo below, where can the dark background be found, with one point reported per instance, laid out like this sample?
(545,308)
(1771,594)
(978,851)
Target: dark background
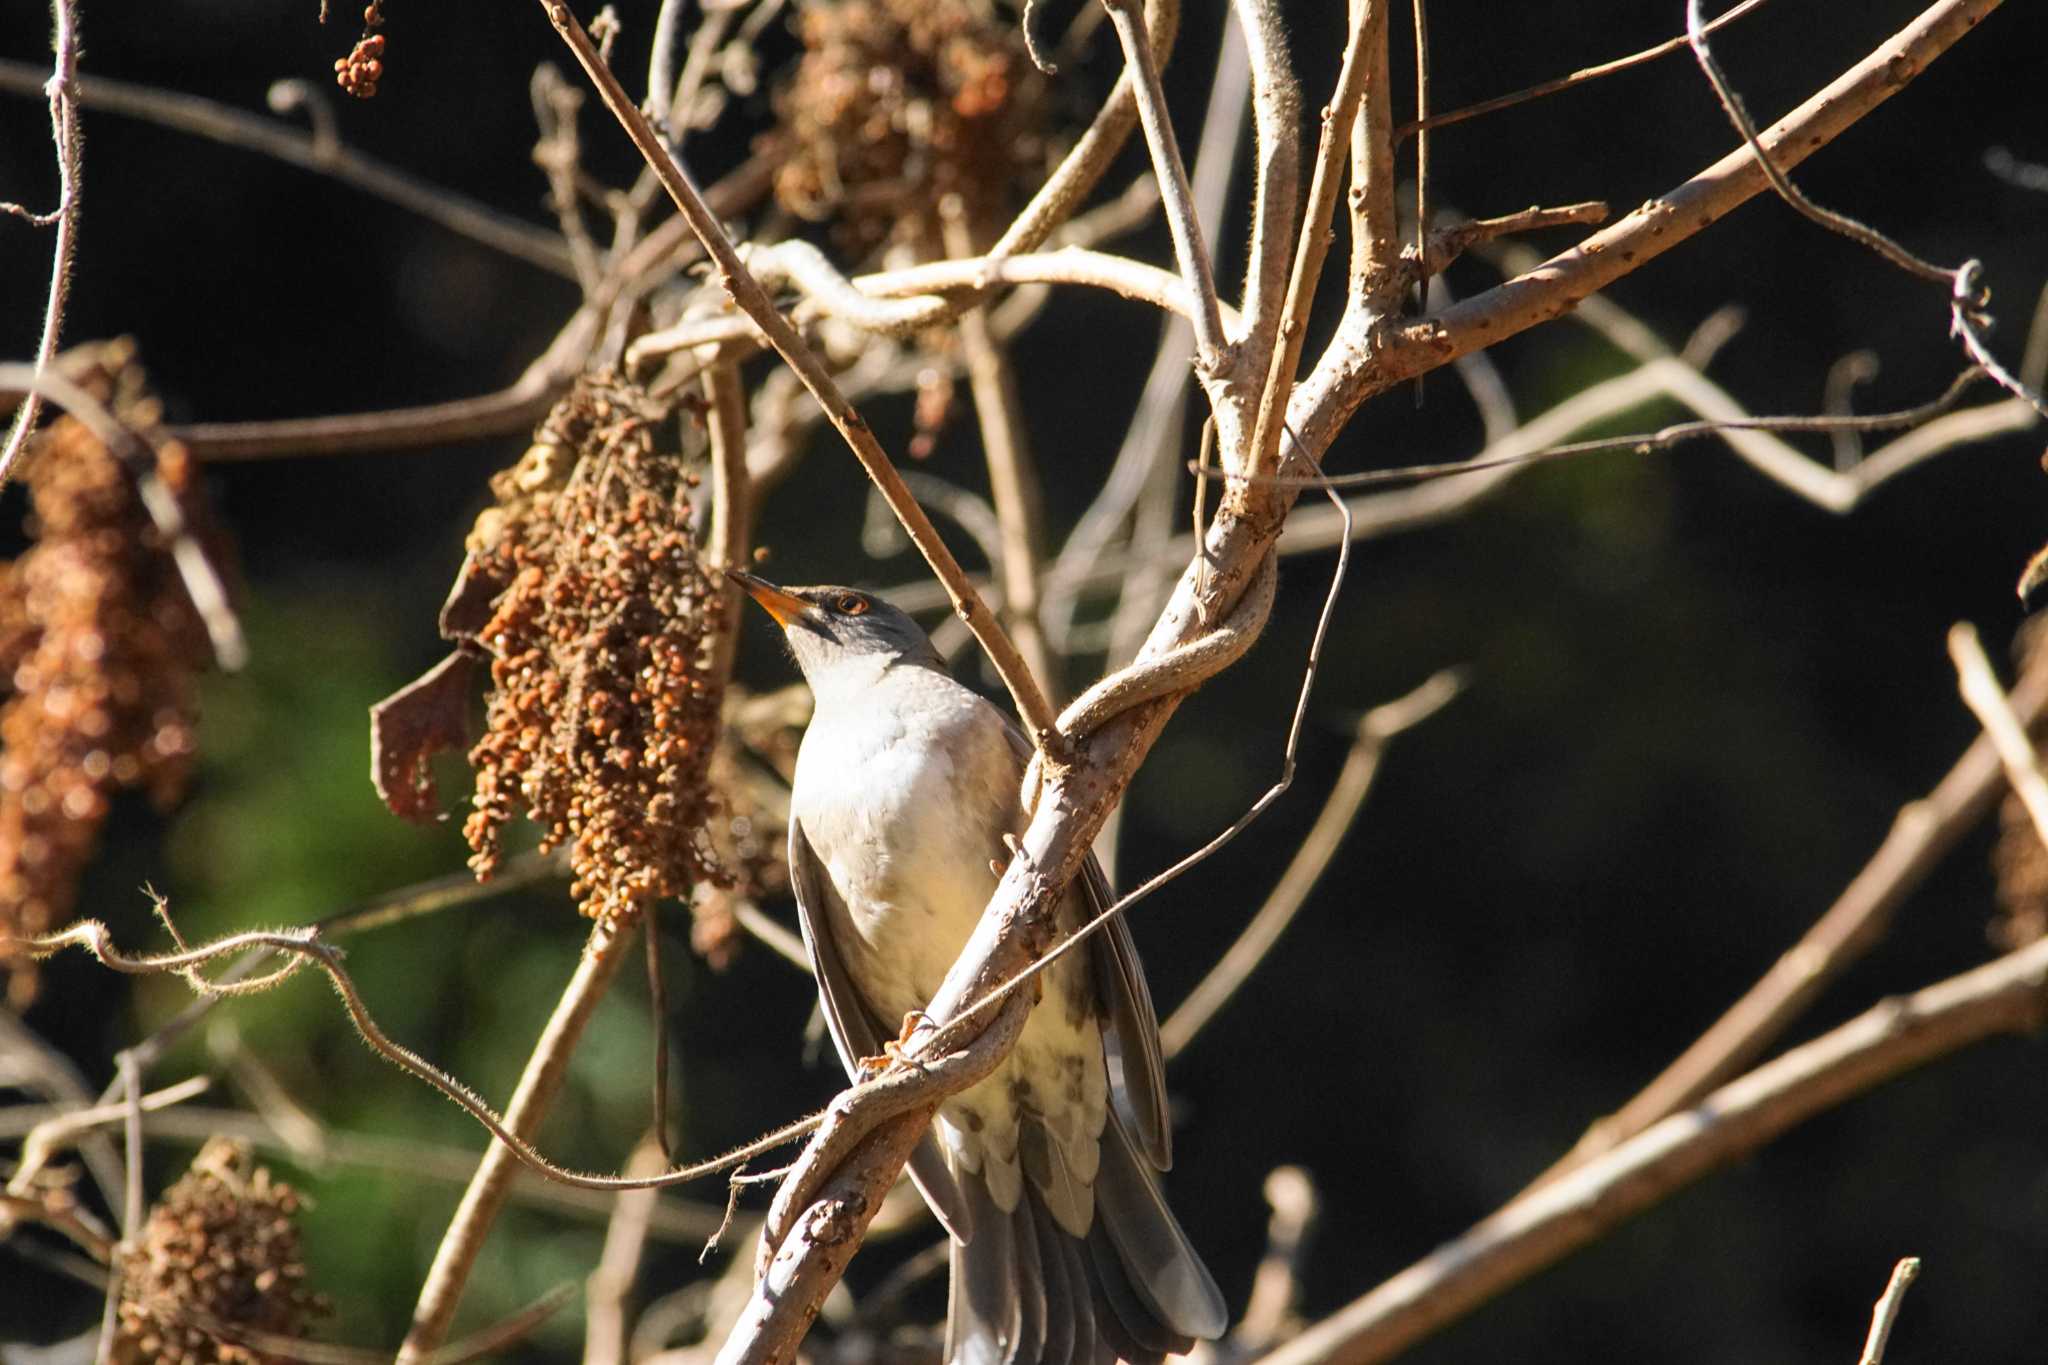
(1696,701)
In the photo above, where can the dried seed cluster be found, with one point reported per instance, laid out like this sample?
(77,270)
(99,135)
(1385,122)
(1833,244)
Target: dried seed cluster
(601,718)
(898,103)
(217,1269)
(99,654)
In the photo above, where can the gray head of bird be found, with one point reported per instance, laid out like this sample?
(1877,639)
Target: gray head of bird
(841,635)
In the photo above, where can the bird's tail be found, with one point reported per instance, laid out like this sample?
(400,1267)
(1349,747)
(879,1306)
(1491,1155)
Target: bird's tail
(1028,1292)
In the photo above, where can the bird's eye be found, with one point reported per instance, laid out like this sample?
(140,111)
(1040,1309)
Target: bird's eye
(851,604)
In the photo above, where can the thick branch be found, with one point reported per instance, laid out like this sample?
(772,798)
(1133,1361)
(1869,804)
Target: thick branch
(1375,233)
(531,1100)
(2009,995)
(1920,837)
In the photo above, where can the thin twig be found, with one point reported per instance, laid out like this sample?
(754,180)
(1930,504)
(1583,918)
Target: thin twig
(1860,233)
(905,302)
(1886,1311)
(274,138)
(1175,194)
(618,1265)
(1838,400)
(33,1066)
(732,505)
(1143,480)
(1332,823)
(70,147)
(674,1220)
(1441,247)
(1551,87)
(1012,470)
(1091,155)
(1032,705)
(2009,995)
(559,154)
(538,1084)
(66,1128)
(1350,371)
(1640,443)
(1968,296)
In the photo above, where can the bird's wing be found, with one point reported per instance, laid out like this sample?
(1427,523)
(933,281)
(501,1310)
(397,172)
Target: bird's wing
(1138,1076)
(1133,1037)
(856,1032)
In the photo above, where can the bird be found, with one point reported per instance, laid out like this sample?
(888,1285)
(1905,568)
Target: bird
(1045,1174)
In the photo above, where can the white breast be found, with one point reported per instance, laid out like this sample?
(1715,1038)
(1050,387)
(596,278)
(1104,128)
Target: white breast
(905,787)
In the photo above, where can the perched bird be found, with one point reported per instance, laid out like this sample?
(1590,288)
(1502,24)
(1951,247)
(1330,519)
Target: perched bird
(1045,1174)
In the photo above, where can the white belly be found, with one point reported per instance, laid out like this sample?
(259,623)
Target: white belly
(906,817)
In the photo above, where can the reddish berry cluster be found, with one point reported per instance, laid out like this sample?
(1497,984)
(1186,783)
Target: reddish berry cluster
(359,72)
(601,718)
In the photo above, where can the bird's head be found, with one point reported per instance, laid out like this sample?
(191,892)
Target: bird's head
(829,628)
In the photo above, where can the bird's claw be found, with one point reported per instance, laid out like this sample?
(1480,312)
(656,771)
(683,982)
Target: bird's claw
(896,1050)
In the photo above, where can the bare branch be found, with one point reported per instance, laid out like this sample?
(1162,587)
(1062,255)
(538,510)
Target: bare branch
(1012,470)
(1271,1314)
(1362,62)
(1921,835)
(1579,77)
(1311,858)
(2009,995)
(1276,124)
(1070,183)
(1886,1311)
(1978,682)
(70,145)
(1375,237)
(1350,372)
(838,1185)
(732,511)
(1172,173)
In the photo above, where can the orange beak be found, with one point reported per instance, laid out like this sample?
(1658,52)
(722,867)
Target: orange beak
(787,608)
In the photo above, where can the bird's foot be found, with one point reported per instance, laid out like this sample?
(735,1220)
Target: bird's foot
(896,1050)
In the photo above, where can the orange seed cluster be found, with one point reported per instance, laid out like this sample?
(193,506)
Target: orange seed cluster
(601,719)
